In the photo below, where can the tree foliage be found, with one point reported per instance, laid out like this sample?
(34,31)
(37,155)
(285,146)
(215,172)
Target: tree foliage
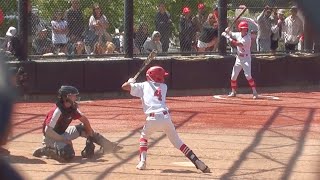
(144,10)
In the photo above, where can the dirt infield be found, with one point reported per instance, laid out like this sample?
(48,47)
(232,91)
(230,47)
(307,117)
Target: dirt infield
(275,137)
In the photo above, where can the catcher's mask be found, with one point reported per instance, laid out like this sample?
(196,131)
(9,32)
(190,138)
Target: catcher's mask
(156,74)
(65,92)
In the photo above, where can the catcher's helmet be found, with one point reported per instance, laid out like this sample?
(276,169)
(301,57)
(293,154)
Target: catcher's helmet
(243,25)
(64,91)
(156,74)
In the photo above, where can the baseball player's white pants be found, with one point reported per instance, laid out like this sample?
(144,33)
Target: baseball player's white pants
(240,64)
(161,122)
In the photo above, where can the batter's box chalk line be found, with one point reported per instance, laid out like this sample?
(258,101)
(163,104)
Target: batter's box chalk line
(245,97)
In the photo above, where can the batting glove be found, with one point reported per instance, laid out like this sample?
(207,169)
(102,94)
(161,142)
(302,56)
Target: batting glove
(225,35)
(131,80)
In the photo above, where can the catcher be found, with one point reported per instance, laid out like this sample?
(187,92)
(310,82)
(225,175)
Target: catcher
(58,135)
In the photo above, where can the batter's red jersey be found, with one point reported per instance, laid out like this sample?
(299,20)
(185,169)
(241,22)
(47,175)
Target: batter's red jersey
(60,121)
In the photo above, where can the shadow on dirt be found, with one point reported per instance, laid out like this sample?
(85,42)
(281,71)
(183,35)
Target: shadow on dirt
(24,160)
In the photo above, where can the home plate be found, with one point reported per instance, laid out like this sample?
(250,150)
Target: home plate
(185,164)
(83,102)
(218,97)
(268,97)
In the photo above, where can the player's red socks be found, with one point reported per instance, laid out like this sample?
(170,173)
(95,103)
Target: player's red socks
(234,85)
(143,149)
(189,153)
(252,83)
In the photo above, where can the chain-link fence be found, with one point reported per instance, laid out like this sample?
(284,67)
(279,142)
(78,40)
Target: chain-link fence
(81,27)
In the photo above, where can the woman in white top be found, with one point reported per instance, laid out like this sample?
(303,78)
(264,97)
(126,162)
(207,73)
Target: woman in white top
(98,23)
(59,33)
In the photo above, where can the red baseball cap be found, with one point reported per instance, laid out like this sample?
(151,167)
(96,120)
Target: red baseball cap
(201,6)
(186,10)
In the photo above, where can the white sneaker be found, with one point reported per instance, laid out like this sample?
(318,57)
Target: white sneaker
(203,167)
(142,165)
(232,94)
(255,96)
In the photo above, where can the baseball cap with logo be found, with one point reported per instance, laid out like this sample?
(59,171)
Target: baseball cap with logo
(12,31)
(201,6)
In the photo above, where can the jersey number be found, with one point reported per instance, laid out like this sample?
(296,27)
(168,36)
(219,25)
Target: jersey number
(158,94)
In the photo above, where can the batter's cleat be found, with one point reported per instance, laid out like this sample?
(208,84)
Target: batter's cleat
(142,165)
(255,96)
(203,167)
(232,94)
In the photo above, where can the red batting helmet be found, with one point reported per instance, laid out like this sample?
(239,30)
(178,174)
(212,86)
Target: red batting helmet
(186,10)
(201,6)
(243,25)
(156,74)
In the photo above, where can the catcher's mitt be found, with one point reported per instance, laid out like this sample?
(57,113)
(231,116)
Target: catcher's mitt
(88,151)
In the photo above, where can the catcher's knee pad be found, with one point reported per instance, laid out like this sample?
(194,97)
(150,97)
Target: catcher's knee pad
(66,153)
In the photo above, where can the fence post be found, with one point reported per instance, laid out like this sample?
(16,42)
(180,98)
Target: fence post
(128,28)
(223,23)
(23,29)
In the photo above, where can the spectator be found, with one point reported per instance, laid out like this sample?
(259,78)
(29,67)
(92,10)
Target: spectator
(153,43)
(59,33)
(292,30)
(141,36)
(264,32)
(35,22)
(200,17)
(116,40)
(164,26)
(187,30)
(42,44)
(208,36)
(74,18)
(98,25)
(11,43)
(110,48)
(278,20)
(99,48)
(78,49)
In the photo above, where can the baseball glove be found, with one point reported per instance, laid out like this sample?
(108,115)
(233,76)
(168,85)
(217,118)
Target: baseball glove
(88,151)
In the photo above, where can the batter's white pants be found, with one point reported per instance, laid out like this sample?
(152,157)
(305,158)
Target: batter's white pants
(161,122)
(244,64)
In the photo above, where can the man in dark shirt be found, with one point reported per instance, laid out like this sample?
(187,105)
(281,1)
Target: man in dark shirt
(187,30)
(42,44)
(74,18)
(208,35)
(164,26)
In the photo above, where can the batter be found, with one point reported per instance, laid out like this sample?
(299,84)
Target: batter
(242,40)
(153,95)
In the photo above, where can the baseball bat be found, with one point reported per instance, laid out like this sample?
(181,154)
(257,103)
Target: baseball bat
(235,20)
(150,57)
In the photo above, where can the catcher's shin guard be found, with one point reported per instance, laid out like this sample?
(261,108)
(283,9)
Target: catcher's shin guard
(88,151)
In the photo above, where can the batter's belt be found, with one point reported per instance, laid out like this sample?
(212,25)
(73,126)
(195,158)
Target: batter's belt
(243,55)
(153,114)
